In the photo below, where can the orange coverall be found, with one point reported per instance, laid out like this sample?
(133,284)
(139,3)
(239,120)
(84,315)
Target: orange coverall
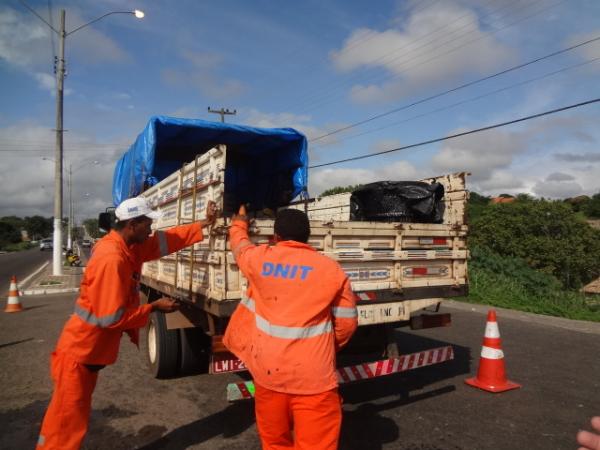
(108,305)
(300,309)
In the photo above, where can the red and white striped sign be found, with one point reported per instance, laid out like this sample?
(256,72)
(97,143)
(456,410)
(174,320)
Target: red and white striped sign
(366,296)
(395,365)
(245,390)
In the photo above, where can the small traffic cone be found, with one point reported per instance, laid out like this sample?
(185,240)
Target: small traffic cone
(13,304)
(491,375)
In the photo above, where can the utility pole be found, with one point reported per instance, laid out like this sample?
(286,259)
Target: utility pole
(222,112)
(70,226)
(58,157)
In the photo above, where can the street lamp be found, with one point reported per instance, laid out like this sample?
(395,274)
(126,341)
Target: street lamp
(58,160)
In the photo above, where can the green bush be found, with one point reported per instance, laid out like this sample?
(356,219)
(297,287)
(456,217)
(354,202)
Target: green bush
(509,282)
(549,236)
(18,246)
(9,234)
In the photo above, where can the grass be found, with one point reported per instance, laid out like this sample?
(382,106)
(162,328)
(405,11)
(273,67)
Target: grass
(51,283)
(510,283)
(19,246)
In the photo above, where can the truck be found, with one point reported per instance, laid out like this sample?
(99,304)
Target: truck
(400,270)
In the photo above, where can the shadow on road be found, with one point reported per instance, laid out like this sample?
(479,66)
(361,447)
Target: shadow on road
(402,383)
(381,430)
(29,308)
(231,421)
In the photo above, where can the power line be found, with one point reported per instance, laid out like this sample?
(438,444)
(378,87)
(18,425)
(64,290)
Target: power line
(73,144)
(466,133)
(462,102)
(387,76)
(51,34)
(331,92)
(462,86)
(309,69)
(48,150)
(38,16)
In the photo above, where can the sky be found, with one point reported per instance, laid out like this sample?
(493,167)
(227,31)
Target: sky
(316,66)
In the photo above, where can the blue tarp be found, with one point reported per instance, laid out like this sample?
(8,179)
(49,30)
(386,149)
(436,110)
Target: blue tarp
(266,167)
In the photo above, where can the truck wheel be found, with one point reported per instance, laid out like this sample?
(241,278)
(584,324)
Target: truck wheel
(195,351)
(162,347)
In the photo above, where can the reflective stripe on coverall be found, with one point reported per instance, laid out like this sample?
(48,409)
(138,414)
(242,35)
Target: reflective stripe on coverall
(108,305)
(300,309)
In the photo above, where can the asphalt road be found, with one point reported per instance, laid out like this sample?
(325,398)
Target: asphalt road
(20,264)
(557,362)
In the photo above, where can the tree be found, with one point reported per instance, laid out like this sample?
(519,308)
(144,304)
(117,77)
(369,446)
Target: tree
(592,208)
(548,235)
(476,204)
(14,221)
(9,234)
(340,189)
(38,227)
(91,225)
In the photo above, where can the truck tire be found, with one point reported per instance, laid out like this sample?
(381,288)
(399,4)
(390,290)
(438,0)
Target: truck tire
(162,347)
(195,351)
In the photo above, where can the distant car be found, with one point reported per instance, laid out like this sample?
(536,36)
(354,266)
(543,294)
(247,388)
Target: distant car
(86,243)
(46,244)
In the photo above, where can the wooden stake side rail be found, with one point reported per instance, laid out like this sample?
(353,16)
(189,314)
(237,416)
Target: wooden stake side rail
(245,390)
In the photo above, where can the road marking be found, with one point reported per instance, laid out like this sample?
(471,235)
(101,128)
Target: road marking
(42,267)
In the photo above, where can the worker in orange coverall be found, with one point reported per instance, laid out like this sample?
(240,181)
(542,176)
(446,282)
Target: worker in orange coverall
(108,306)
(300,310)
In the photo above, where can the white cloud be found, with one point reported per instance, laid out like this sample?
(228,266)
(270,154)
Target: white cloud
(25,43)
(499,181)
(578,157)
(589,51)
(28,181)
(24,40)
(540,158)
(559,176)
(557,185)
(321,179)
(300,122)
(435,45)
(385,144)
(481,153)
(47,82)
(203,75)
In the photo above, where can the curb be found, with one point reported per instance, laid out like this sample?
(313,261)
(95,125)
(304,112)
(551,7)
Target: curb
(49,291)
(582,326)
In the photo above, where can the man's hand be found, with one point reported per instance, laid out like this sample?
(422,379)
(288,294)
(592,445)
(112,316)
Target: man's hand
(241,215)
(590,441)
(211,214)
(165,304)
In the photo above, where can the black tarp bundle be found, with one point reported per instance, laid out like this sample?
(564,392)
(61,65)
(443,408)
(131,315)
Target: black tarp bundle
(398,201)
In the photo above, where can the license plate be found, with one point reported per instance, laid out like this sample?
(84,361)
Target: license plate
(225,362)
(382,313)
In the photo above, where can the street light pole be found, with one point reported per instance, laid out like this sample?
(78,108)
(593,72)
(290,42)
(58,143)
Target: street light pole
(70,226)
(58,158)
(58,161)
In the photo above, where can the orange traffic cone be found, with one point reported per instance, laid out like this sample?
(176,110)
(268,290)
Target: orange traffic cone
(491,375)
(13,304)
